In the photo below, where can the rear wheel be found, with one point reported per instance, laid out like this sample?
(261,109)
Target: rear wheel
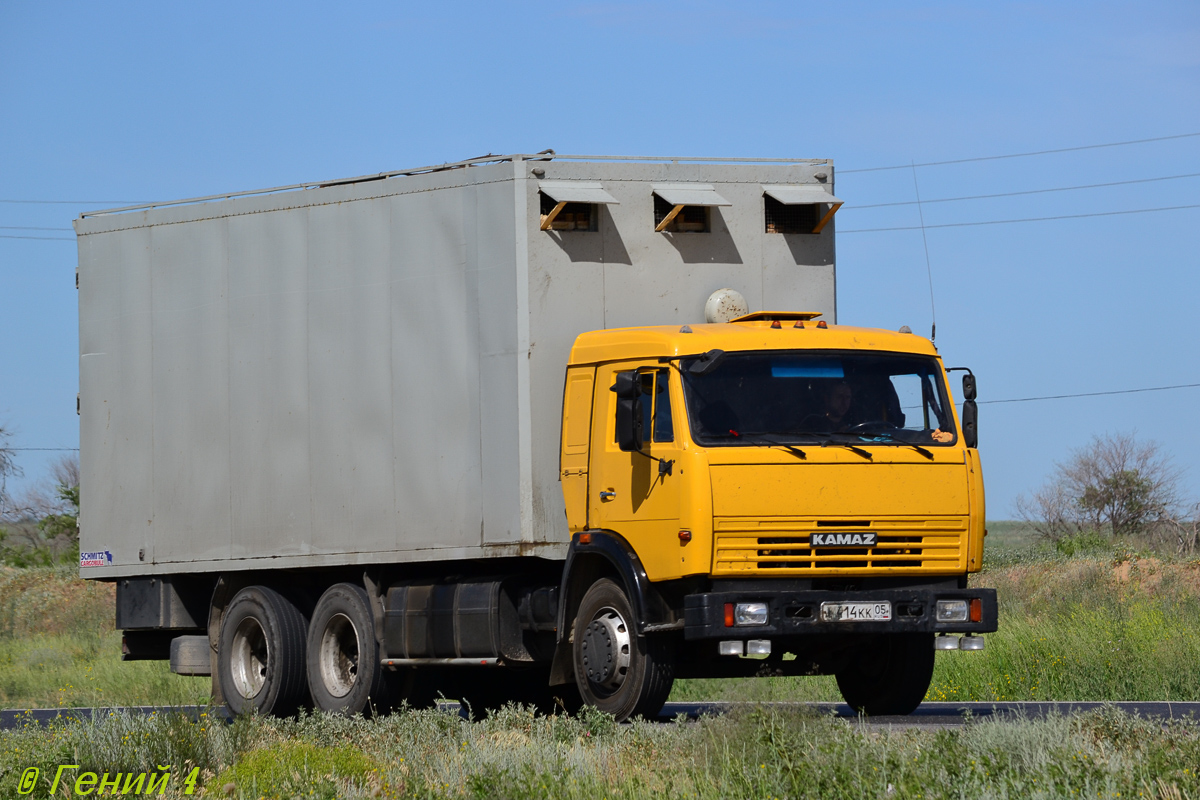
(616,670)
(889,677)
(260,660)
(345,675)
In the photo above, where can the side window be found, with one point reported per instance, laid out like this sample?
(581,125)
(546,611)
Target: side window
(664,428)
(654,406)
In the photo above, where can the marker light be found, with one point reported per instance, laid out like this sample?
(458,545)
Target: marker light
(799,324)
(775,324)
(685,536)
(750,614)
(585,538)
(729,615)
(952,611)
(976,610)
(821,324)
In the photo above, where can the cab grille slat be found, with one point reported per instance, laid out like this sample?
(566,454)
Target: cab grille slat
(783,546)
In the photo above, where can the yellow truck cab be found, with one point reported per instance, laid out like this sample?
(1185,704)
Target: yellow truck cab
(769,485)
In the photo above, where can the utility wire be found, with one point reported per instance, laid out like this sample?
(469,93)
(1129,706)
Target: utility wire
(30,228)
(43,238)
(1026,219)
(1023,155)
(29,449)
(1093,394)
(1030,191)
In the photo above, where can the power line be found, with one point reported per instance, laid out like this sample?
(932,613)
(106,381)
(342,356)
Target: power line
(31,228)
(1026,219)
(1030,191)
(29,449)
(1023,155)
(1093,394)
(43,238)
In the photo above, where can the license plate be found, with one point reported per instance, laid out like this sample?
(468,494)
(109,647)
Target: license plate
(856,612)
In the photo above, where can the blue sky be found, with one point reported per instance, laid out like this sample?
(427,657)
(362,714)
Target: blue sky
(151,101)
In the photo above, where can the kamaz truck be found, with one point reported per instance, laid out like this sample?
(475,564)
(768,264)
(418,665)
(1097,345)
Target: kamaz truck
(537,428)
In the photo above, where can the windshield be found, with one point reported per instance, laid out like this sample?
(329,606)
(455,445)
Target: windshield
(796,397)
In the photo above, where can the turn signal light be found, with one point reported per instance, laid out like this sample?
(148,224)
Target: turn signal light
(976,610)
(685,536)
(729,615)
(585,538)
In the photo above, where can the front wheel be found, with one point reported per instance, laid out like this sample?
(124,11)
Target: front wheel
(889,677)
(616,670)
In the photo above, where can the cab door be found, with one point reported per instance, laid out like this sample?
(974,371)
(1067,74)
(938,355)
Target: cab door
(576,432)
(636,494)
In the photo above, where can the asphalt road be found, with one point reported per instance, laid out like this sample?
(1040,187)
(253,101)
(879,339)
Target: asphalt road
(929,715)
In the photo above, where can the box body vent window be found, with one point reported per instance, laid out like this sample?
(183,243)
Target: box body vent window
(572,205)
(690,219)
(798,208)
(791,219)
(571,217)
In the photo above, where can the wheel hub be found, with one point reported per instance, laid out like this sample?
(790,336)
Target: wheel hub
(605,649)
(339,655)
(249,659)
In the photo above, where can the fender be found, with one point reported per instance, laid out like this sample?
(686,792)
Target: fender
(651,611)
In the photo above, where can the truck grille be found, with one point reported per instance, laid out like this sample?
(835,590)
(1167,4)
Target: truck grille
(783,546)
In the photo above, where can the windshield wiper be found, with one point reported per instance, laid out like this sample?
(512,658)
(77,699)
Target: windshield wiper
(766,442)
(825,441)
(892,438)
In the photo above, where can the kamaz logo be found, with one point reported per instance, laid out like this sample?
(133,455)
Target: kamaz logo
(844,539)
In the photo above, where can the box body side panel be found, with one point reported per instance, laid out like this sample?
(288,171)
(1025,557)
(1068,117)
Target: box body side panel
(303,386)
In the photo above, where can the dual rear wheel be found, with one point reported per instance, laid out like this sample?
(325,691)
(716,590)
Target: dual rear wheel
(272,660)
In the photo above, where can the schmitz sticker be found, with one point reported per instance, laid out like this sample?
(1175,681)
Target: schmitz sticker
(844,539)
(100,558)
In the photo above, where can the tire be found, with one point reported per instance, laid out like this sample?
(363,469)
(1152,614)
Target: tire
(260,660)
(616,670)
(345,675)
(889,677)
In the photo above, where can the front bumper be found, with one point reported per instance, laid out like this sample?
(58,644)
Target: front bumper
(797,613)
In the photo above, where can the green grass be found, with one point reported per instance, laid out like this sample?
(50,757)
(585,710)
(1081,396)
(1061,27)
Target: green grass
(762,753)
(58,647)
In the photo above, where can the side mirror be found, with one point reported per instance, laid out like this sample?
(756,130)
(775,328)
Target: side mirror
(968,386)
(628,389)
(970,421)
(707,363)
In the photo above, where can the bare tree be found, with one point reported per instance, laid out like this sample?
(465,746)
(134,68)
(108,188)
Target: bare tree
(8,467)
(1116,482)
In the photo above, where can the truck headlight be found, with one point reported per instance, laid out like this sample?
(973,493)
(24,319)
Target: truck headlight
(952,610)
(751,614)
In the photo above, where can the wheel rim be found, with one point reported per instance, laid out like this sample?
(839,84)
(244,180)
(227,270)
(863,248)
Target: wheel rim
(339,655)
(249,659)
(606,649)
